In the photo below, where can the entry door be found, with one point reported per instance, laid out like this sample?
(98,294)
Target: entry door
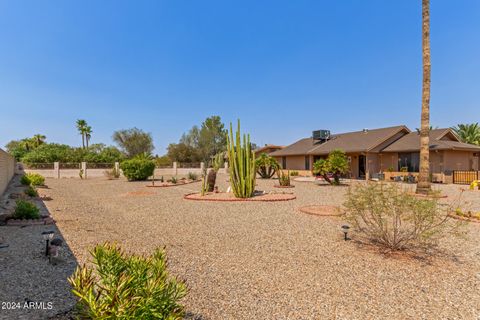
(362,160)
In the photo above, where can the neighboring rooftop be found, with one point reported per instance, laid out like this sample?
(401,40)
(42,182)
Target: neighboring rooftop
(268,147)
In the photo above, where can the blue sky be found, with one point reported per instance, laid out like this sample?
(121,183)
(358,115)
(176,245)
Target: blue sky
(284,68)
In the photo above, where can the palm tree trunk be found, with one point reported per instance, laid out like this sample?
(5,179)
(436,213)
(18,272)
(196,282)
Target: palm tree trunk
(423,185)
(83,141)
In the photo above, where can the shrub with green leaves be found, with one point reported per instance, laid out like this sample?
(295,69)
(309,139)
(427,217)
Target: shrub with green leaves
(294,173)
(26,210)
(123,286)
(283,178)
(31,192)
(137,169)
(391,217)
(266,166)
(335,164)
(33,179)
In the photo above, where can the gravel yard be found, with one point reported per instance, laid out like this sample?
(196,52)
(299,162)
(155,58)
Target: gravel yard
(258,260)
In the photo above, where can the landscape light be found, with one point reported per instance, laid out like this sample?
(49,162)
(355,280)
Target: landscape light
(47,236)
(345,229)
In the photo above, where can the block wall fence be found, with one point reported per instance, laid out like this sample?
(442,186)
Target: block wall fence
(7,169)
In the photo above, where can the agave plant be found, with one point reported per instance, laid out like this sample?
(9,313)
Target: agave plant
(241,159)
(283,178)
(266,166)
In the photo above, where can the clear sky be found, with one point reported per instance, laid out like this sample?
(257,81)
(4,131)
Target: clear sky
(284,68)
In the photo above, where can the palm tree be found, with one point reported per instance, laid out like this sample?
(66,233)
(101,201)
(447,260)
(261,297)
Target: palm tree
(423,185)
(39,139)
(81,126)
(88,134)
(468,133)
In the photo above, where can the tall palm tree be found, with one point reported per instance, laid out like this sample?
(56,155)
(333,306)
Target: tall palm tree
(39,139)
(88,134)
(423,185)
(468,133)
(81,126)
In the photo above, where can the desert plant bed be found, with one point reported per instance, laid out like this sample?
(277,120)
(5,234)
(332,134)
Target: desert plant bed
(321,210)
(167,184)
(230,197)
(30,222)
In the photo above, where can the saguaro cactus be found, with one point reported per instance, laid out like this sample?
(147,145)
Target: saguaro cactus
(241,164)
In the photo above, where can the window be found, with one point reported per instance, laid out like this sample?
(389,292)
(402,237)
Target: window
(284,162)
(307,163)
(411,160)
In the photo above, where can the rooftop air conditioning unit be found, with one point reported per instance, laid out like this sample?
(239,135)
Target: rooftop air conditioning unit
(321,134)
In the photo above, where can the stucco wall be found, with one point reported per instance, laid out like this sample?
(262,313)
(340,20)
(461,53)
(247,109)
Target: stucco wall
(7,169)
(458,160)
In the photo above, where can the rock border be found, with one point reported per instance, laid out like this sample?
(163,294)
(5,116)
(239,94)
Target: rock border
(283,187)
(195,196)
(316,210)
(171,184)
(454,216)
(30,222)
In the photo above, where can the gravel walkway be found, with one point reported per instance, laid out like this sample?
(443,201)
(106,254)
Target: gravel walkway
(268,260)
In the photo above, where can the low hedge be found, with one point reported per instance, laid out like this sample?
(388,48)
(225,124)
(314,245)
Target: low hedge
(137,169)
(32,179)
(26,210)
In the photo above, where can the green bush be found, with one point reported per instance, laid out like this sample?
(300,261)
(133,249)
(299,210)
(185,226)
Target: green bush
(123,286)
(192,176)
(137,169)
(283,178)
(36,179)
(335,164)
(266,166)
(26,210)
(25,180)
(293,173)
(31,192)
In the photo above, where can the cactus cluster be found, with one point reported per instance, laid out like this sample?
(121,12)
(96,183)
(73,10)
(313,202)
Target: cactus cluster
(241,160)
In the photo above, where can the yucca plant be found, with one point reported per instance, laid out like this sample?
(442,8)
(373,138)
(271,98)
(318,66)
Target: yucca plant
(124,286)
(266,166)
(241,159)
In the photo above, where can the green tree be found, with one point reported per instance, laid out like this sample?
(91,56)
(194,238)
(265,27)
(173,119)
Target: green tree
(181,152)
(82,127)
(335,164)
(468,133)
(88,134)
(39,139)
(212,138)
(134,141)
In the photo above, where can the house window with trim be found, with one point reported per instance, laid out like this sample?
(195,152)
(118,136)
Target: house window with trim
(284,162)
(410,160)
(307,163)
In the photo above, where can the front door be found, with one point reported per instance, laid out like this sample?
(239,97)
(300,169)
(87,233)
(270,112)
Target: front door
(361,166)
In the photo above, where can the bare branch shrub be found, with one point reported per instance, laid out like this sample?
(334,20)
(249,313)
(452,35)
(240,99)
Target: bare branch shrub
(391,217)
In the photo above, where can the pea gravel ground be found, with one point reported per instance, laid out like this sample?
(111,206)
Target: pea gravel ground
(268,260)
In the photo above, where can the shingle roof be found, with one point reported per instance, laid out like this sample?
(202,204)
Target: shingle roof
(358,141)
(411,142)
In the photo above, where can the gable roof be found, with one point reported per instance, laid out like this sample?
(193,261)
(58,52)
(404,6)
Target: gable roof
(440,139)
(267,147)
(358,141)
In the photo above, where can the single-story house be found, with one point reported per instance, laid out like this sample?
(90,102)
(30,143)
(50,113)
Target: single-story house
(268,148)
(378,150)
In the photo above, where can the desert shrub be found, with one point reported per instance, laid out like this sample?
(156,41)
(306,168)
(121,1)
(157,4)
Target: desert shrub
(112,173)
(31,192)
(396,219)
(174,180)
(33,179)
(137,169)
(123,286)
(192,176)
(293,173)
(26,210)
(266,166)
(283,178)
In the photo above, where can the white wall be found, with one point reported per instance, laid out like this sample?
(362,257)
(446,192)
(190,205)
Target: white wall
(7,169)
